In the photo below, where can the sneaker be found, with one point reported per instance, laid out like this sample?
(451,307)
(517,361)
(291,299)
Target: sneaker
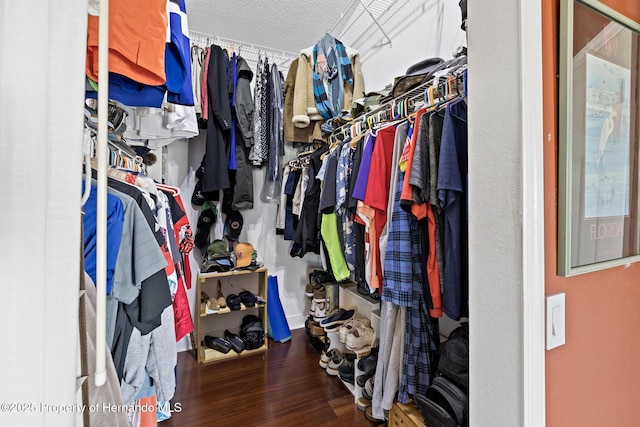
(362,404)
(319,294)
(320,311)
(368,413)
(367,365)
(310,288)
(312,308)
(339,317)
(315,329)
(360,336)
(324,360)
(347,326)
(345,371)
(335,360)
(367,390)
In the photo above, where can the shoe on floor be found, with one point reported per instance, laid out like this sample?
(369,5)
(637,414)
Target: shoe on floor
(315,329)
(324,360)
(339,317)
(347,326)
(335,360)
(361,336)
(368,413)
(363,403)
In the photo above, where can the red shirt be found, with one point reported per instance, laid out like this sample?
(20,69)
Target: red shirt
(377,194)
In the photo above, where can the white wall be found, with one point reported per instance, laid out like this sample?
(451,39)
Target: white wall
(418,30)
(42,46)
(273,251)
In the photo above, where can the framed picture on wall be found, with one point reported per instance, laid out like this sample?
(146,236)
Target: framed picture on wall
(598,204)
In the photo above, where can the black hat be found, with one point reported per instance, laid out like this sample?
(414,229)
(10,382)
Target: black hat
(233,225)
(197,198)
(416,74)
(208,217)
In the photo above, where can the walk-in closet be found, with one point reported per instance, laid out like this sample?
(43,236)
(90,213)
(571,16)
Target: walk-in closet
(260,213)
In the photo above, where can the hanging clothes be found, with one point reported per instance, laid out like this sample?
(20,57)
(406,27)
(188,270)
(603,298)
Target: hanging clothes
(305,109)
(263,101)
(329,222)
(216,176)
(307,234)
(273,172)
(204,90)
(294,134)
(243,117)
(452,189)
(135,51)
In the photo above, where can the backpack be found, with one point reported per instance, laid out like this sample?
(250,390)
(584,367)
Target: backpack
(446,403)
(252,332)
(454,359)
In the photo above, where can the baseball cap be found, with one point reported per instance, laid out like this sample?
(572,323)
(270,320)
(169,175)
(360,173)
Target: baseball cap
(218,265)
(218,249)
(245,254)
(233,225)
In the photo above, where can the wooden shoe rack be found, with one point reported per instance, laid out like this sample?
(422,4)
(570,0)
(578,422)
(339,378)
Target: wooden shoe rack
(233,282)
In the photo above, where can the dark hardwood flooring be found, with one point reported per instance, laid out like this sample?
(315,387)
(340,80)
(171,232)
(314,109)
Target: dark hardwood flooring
(284,386)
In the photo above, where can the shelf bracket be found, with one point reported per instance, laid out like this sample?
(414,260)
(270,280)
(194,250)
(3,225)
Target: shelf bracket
(376,22)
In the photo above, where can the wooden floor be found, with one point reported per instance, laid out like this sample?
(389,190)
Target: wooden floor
(282,387)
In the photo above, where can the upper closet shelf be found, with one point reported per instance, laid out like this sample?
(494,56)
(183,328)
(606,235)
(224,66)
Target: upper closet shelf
(249,51)
(361,17)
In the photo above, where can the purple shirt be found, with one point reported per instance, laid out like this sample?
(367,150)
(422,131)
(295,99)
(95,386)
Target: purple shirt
(363,174)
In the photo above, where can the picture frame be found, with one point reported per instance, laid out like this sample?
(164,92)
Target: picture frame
(598,156)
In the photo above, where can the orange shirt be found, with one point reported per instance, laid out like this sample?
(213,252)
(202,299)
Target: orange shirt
(418,210)
(137,38)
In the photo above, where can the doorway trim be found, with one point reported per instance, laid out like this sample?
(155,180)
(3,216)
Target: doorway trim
(533,262)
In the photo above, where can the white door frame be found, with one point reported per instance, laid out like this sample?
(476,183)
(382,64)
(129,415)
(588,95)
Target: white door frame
(533,266)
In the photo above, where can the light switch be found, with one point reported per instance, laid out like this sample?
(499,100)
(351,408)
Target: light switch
(555,321)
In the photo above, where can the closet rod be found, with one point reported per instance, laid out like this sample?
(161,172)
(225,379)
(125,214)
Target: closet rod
(412,94)
(268,51)
(101,215)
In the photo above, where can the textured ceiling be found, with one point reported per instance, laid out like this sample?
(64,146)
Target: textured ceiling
(281,24)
